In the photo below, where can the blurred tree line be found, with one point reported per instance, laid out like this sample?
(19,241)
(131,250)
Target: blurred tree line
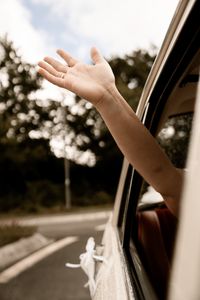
(31,176)
(174,138)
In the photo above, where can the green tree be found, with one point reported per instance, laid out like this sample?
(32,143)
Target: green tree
(131,73)
(18,81)
(174,138)
(20,110)
(26,163)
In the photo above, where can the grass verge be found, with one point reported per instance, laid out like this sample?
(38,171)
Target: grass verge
(13,232)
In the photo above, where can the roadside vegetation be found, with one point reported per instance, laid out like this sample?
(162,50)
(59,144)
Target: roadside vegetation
(13,232)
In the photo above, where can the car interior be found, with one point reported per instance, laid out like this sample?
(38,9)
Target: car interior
(155,228)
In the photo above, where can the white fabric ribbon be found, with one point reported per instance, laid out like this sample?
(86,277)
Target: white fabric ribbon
(87,263)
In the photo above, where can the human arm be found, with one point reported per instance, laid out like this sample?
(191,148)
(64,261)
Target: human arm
(96,83)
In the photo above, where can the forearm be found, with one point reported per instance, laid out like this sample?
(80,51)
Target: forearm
(138,145)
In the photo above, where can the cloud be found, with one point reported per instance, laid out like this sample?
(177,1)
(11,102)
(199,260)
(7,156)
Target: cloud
(33,44)
(15,20)
(115,26)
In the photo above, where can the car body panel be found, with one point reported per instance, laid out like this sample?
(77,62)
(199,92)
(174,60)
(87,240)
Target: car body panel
(186,272)
(113,281)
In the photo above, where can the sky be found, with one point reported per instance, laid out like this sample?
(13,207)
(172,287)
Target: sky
(39,27)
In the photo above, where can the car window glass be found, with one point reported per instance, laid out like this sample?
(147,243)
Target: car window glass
(174,139)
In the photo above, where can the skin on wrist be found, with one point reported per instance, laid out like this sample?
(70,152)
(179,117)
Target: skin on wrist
(109,94)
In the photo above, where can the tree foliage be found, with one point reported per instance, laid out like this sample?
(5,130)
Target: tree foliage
(18,81)
(174,138)
(21,113)
(131,73)
(24,161)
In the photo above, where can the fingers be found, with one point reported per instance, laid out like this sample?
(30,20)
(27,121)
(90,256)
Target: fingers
(49,68)
(67,57)
(56,64)
(96,56)
(51,78)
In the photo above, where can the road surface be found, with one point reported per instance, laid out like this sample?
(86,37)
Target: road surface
(49,279)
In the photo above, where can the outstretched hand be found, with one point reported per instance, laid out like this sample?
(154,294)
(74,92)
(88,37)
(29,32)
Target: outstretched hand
(91,82)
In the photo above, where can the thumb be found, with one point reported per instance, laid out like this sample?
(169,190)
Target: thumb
(96,56)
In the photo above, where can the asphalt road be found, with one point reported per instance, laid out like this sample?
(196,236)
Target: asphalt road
(49,279)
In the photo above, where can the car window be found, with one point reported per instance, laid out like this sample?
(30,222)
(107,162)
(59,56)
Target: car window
(174,139)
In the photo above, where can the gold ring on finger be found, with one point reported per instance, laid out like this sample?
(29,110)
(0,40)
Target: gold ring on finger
(62,75)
